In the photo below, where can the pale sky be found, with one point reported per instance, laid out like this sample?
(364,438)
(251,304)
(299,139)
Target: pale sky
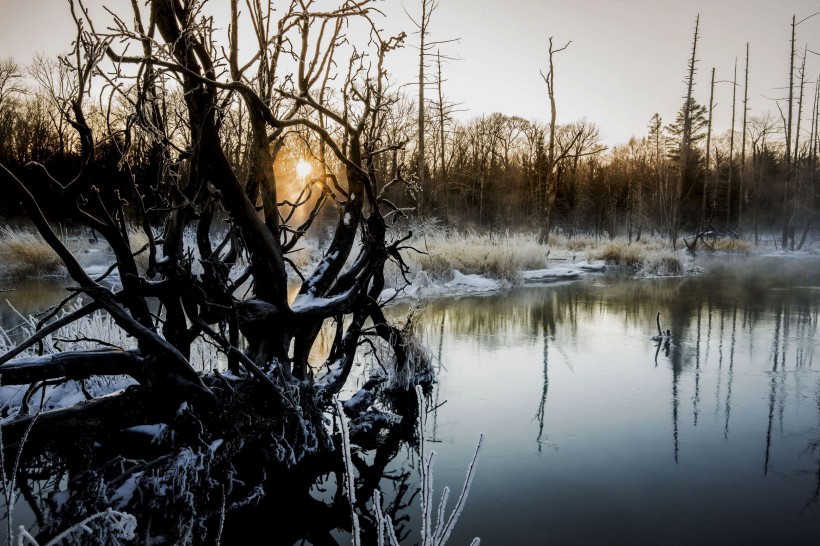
(627,59)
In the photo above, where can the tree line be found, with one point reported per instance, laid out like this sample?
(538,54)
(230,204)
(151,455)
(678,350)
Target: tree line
(495,170)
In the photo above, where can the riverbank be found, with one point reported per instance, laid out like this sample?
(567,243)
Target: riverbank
(438,262)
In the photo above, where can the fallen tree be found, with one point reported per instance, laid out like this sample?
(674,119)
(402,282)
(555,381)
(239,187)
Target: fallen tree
(180,448)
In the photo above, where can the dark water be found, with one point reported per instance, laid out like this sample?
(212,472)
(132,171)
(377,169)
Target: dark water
(594,434)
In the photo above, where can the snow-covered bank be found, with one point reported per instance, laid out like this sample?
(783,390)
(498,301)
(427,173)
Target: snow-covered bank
(423,287)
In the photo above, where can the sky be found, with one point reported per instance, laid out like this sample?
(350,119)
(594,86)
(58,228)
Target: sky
(626,61)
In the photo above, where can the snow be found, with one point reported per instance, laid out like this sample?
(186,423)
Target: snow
(359,400)
(97,270)
(595,265)
(423,287)
(551,274)
(124,493)
(346,219)
(306,303)
(156,431)
(473,282)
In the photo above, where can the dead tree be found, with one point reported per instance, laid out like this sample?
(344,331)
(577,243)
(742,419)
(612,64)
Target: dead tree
(708,152)
(742,189)
(686,140)
(731,149)
(549,173)
(271,410)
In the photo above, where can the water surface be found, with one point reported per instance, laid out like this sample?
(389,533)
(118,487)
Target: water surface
(596,434)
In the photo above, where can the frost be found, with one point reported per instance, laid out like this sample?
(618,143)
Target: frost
(229,375)
(372,420)
(346,219)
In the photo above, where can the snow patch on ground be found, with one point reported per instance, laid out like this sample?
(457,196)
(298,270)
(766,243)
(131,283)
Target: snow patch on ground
(473,283)
(551,274)
(422,286)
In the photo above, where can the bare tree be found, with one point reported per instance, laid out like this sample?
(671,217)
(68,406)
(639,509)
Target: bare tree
(786,214)
(550,174)
(426,49)
(266,337)
(11,80)
(741,198)
(708,152)
(731,149)
(686,138)
(759,129)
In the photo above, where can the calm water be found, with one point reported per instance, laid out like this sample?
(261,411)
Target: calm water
(595,434)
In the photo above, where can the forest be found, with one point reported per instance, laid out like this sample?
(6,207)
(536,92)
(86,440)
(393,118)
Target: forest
(493,171)
(206,154)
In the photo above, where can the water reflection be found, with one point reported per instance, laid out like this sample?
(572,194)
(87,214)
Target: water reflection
(735,384)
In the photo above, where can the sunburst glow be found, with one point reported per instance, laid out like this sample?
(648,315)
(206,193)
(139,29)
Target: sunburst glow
(303,169)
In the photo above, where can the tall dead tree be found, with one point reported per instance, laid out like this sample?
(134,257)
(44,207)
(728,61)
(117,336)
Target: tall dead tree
(787,186)
(549,174)
(708,152)
(731,149)
(686,140)
(444,115)
(741,198)
(426,48)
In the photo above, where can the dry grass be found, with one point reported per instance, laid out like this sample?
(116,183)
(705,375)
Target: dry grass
(618,253)
(738,246)
(139,244)
(574,244)
(650,257)
(25,253)
(497,256)
(505,255)
(664,263)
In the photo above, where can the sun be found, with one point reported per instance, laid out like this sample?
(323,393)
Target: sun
(303,169)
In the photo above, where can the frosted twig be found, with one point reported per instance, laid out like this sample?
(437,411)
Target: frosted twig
(438,536)
(351,492)
(122,524)
(383,522)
